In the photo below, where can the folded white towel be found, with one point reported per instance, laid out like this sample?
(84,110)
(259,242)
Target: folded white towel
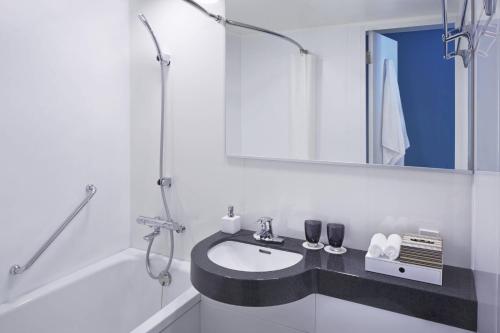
(377,245)
(393,246)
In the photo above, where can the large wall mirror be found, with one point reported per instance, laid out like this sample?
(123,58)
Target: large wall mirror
(373,86)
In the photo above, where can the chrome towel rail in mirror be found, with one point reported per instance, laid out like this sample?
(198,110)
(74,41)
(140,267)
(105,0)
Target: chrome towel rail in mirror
(456,35)
(472,33)
(16,269)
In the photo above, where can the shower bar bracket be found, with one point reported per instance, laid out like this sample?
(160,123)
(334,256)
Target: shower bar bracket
(164,182)
(164,59)
(16,269)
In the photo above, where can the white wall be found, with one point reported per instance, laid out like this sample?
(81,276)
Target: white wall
(486,189)
(205,181)
(488,105)
(64,123)
(485,248)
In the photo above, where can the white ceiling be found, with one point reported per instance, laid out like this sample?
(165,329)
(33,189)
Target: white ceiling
(294,14)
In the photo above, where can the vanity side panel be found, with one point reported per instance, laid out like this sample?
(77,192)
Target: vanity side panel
(336,315)
(293,317)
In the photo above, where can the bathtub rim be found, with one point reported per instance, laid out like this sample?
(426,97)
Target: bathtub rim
(163,318)
(122,256)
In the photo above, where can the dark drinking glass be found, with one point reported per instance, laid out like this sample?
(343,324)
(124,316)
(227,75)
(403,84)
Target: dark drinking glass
(313,231)
(335,233)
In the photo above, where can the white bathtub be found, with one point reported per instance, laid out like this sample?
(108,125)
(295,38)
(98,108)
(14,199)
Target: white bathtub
(112,296)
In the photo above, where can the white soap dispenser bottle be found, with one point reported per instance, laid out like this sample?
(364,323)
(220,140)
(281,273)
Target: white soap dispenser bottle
(231,223)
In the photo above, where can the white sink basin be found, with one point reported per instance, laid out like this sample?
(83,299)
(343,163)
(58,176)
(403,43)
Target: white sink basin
(251,258)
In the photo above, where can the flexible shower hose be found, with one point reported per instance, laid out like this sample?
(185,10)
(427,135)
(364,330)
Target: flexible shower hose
(165,272)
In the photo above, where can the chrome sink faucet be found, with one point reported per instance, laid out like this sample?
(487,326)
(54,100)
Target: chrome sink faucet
(264,231)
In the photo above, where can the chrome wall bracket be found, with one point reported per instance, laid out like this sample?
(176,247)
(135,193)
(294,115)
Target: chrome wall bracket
(164,59)
(164,182)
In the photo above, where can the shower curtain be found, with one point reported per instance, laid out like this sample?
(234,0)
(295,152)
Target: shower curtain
(302,118)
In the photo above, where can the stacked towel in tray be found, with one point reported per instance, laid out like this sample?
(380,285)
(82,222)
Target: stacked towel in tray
(389,247)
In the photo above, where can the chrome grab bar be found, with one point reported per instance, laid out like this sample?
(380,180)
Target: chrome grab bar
(16,269)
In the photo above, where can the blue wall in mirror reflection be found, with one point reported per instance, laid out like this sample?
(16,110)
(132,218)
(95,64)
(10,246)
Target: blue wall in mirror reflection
(427,85)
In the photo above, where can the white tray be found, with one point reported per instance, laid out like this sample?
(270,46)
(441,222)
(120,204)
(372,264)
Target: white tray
(402,270)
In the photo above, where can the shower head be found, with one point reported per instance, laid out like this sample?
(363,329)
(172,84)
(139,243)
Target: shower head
(143,18)
(163,58)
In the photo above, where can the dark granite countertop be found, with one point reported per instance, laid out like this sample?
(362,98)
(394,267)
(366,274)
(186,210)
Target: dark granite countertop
(340,276)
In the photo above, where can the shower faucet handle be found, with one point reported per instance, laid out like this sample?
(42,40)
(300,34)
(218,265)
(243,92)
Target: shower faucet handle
(161,224)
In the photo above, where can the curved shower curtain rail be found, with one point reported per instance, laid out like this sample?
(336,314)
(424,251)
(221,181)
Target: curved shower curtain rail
(266,31)
(223,20)
(16,269)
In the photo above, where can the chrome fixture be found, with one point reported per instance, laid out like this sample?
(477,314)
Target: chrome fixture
(264,231)
(230,211)
(164,277)
(456,35)
(158,223)
(16,269)
(490,7)
(163,58)
(222,20)
(165,182)
(471,33)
